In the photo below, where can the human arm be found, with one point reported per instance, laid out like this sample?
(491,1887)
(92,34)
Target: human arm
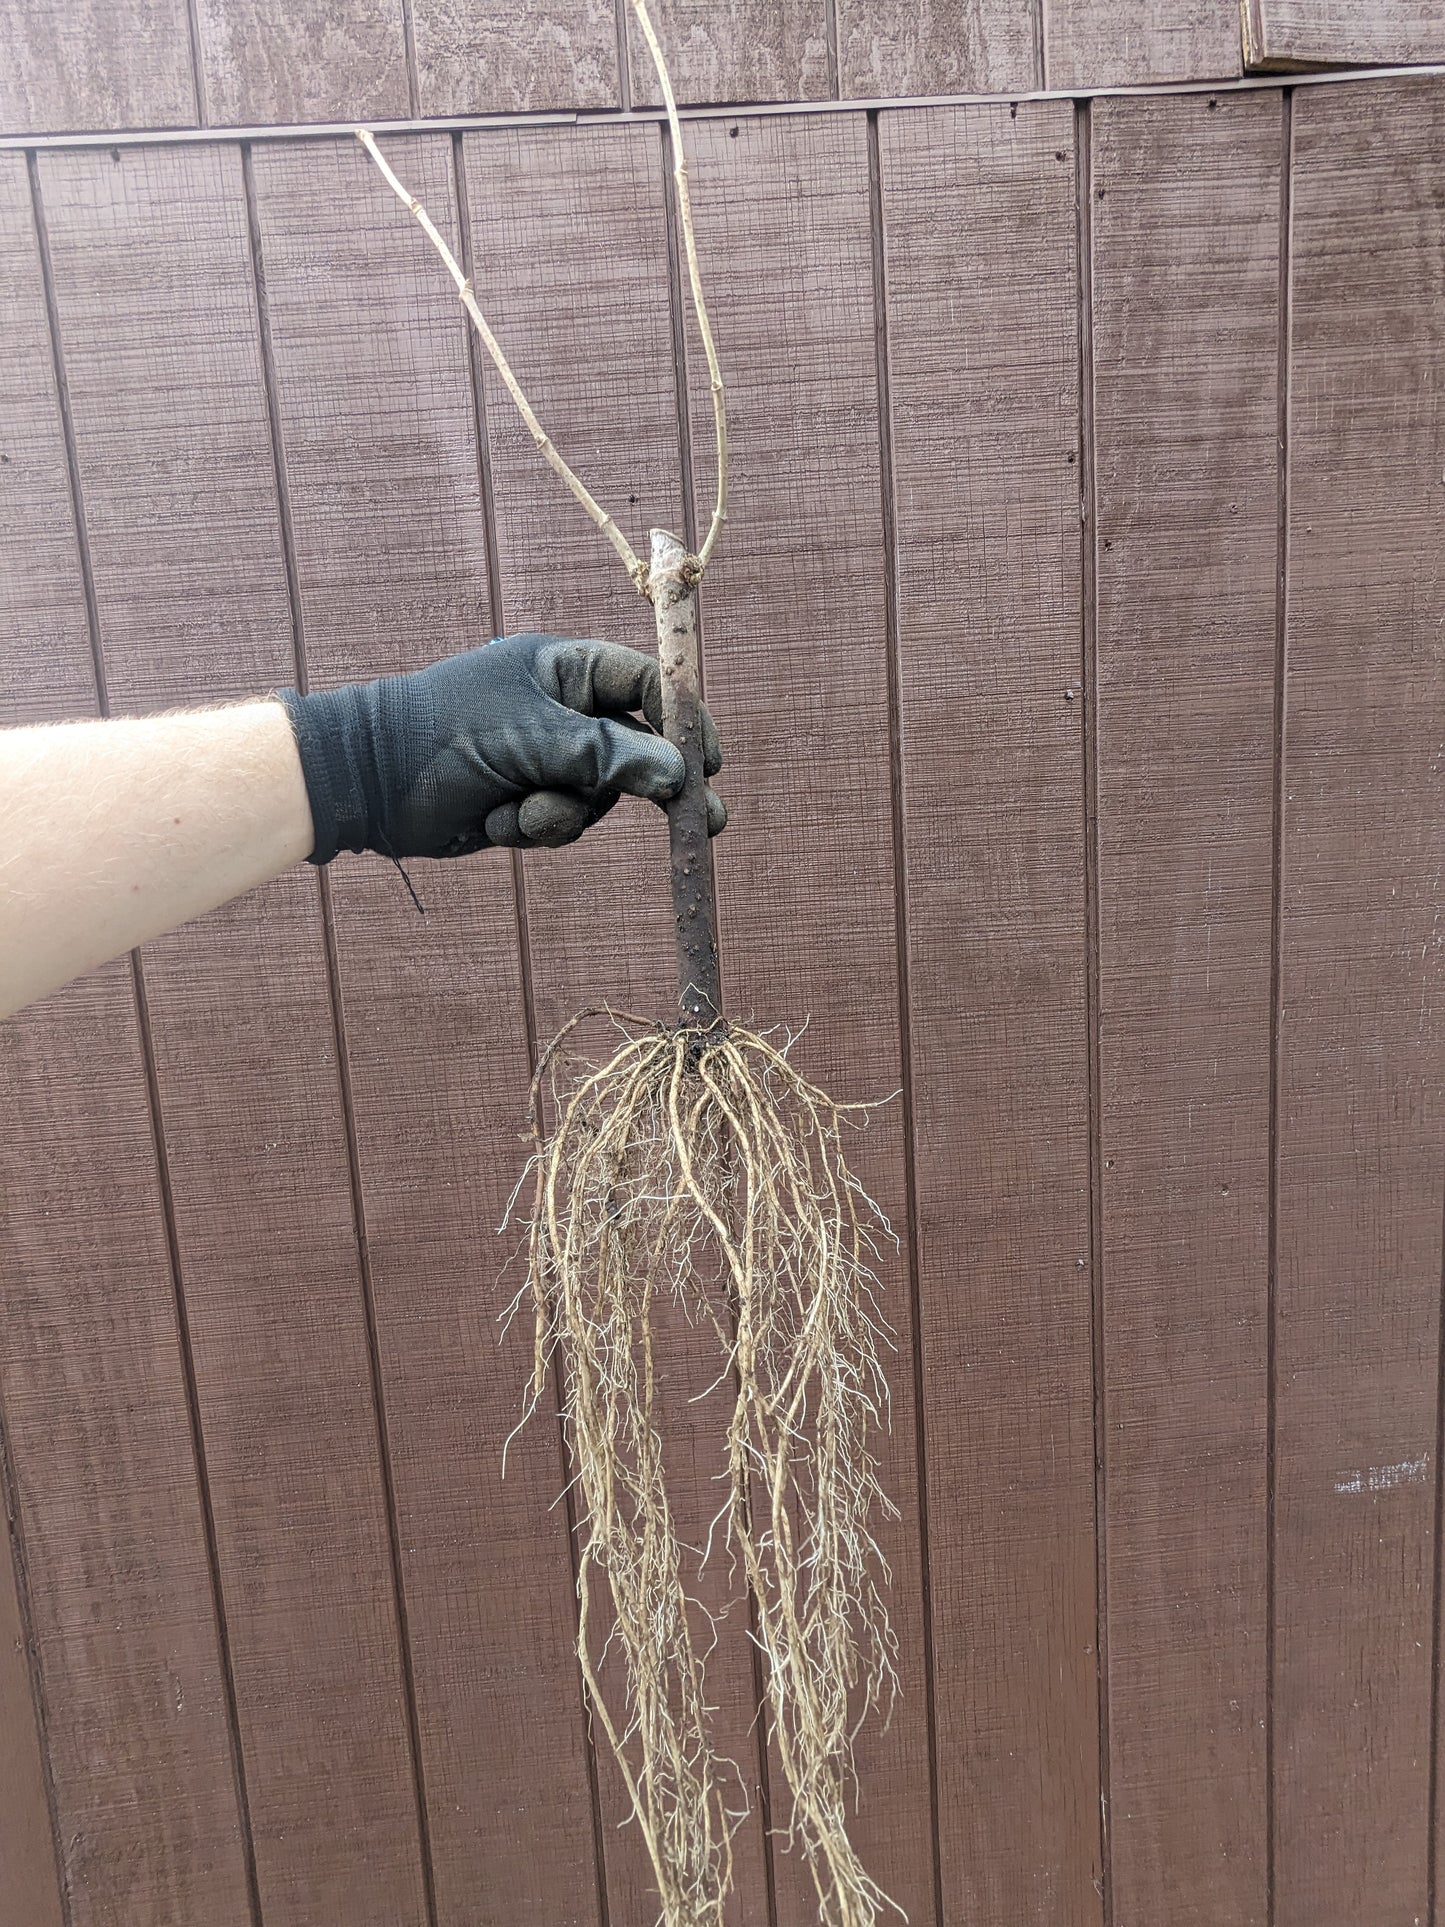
(114,831)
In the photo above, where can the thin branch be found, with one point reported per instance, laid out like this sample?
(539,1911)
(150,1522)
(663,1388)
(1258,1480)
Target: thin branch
(699,306)
(636,567)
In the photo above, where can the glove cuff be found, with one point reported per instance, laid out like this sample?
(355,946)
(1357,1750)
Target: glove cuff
(331,734)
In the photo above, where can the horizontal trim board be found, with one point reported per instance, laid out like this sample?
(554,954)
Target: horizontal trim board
(475,123)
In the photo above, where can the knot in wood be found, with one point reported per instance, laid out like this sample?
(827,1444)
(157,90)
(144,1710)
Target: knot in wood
(667,587)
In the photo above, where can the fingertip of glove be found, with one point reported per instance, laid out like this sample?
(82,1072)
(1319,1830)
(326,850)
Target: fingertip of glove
(503,828)
(552,818)
(712,750)
(647,766)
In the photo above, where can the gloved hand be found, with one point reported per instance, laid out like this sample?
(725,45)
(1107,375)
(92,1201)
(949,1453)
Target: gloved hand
(522,742)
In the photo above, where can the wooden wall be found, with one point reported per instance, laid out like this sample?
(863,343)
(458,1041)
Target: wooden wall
(1085,790)
(214,63)
(116,64)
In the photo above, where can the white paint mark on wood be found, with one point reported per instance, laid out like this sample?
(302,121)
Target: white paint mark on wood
(1386,1478)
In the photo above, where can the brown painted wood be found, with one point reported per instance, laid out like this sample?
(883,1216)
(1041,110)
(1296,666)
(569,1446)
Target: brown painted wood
(29,1878)
(1348,33)
(43,679)
(750,50)
(74,64)
(1141,42)
(571,266)
(570,243)
(101,1469)
(513,56)
(391,564)
(42,604)
(799,684)
(1362,1020)
(391,556)
(1185,288)
(268,62)
(157,317)
(983,47)
(105,1481)
(979,221)
(36,509)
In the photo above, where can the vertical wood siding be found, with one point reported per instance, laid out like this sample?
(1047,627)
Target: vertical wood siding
(1361,1040)
(796,643)
(156,312)
(980,234)
(1077,642)
(389,549)
(109,1525)
(1184,289)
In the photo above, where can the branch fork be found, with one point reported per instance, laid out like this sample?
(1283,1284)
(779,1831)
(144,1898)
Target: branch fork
(636,568)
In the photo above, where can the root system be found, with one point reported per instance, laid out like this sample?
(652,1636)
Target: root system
(701,1166)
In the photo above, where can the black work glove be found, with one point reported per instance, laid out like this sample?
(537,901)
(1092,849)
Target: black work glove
(522,742)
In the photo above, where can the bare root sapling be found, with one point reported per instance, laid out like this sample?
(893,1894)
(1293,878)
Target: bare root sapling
(697,1165)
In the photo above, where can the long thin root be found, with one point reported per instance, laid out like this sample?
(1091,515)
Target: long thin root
(688,1160)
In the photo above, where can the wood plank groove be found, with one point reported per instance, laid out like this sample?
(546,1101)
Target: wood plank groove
(1362,1028)
(391,568)
(797,674)
(982,257)
(297,614)
(1186,206)
(29,1874)
(909,1230)
(156,302)
(581,213)
(102,1474)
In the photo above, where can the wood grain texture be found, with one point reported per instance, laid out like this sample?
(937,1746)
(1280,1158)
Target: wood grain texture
(982,267)
(44,616)
(512,56)
(570,243)
(157,316)
(371,355)
(29,1878)
(1185,288)
(749,50)
(570,257)
(1140,42)
(102,1472)
(95,1413)
(928,47)
(269,62)
(1349,33)
(42,605)
(796,649)
(75,64)
(1362,1024)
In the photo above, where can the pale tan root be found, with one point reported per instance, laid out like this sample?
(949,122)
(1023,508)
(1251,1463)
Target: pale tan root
(701,1165)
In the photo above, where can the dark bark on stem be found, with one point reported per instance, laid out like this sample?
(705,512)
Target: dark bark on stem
(672,585)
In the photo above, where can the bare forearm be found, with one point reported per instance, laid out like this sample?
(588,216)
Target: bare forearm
(112,832)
